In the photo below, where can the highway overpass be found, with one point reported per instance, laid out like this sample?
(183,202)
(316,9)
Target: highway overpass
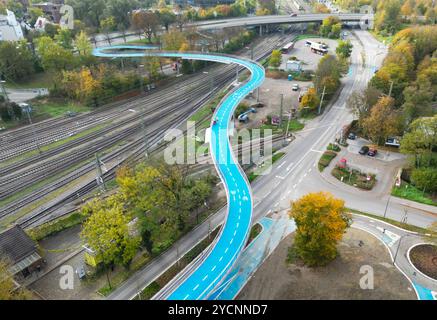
(282,19)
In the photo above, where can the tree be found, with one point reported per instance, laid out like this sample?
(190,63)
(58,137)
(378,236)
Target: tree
(388,16)
(331,27)
(8,290)
(89,11)
(119,9)
(344,49)
(321,221)
(106,232)
(152,66)
(173,40)
(361,103)
(321,8)
(34,14)
(83,45)
(383,121)
(425,179)
(166,18)
(146,22)
(275,59)
(16,61)
(52,55)
(310,100)
(64,38)
(107,25)
(420,140)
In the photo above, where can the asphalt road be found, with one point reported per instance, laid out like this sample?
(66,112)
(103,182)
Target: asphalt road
(296,174)
(117,38)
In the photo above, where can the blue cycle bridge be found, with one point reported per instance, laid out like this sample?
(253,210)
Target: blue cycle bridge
(200,279)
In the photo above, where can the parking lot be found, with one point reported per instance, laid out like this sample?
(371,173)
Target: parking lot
(303,53)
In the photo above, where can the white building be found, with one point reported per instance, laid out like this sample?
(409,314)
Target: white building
(293,65)
(41,23)
(10,29)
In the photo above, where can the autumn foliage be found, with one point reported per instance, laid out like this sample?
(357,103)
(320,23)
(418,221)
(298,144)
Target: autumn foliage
(321,221)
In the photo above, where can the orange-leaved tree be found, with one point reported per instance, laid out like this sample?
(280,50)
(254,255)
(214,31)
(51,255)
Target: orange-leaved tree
(321,221)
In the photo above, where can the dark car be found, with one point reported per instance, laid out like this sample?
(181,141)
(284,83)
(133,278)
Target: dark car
(293,15)
(372,152)
(352,136)
(364,150)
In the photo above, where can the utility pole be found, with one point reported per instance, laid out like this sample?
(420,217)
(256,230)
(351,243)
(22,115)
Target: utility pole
(141,78)
(99,178)
(257,95)
(237,73)
(33,129)
(321,100)
(391,88)
(281,109)
(146,142)
(286,130)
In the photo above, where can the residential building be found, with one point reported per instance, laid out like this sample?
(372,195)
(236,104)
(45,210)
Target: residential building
(10,29)
(51,9)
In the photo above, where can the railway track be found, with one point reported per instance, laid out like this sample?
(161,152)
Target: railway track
(133,149)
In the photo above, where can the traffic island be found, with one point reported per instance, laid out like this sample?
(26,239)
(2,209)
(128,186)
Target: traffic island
(424,258)
(354,177)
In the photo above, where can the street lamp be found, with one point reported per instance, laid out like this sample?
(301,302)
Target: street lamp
(141,78)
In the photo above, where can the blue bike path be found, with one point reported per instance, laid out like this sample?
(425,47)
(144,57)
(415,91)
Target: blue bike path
(230,242)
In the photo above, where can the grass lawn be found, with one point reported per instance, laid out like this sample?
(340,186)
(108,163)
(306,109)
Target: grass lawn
(38,80)
(410,192)
(55,108)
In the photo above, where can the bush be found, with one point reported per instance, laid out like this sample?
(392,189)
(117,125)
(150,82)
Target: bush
(326,159)
(425,179)
(334,147)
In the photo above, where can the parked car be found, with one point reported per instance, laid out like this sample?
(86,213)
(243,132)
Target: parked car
(364,150)
(372,152)
(352,136)
(295,87)
(293,15)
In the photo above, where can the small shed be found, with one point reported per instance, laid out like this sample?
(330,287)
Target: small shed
(294,65)
(21,251)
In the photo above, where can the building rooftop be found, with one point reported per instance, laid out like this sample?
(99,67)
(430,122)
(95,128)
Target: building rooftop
(16,244)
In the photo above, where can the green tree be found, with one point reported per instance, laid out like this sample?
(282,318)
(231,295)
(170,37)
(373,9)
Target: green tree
(83,45)
(388,16)
(425,179)
(344,49)
(64,38)
(420,140)
(16,60)
(53,56)
(321,221)
(275,59)
(106,232)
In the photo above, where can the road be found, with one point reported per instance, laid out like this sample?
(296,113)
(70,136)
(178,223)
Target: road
(252,21)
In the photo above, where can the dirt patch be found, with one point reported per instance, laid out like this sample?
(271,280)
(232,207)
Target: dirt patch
(424,258)
(340,279)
